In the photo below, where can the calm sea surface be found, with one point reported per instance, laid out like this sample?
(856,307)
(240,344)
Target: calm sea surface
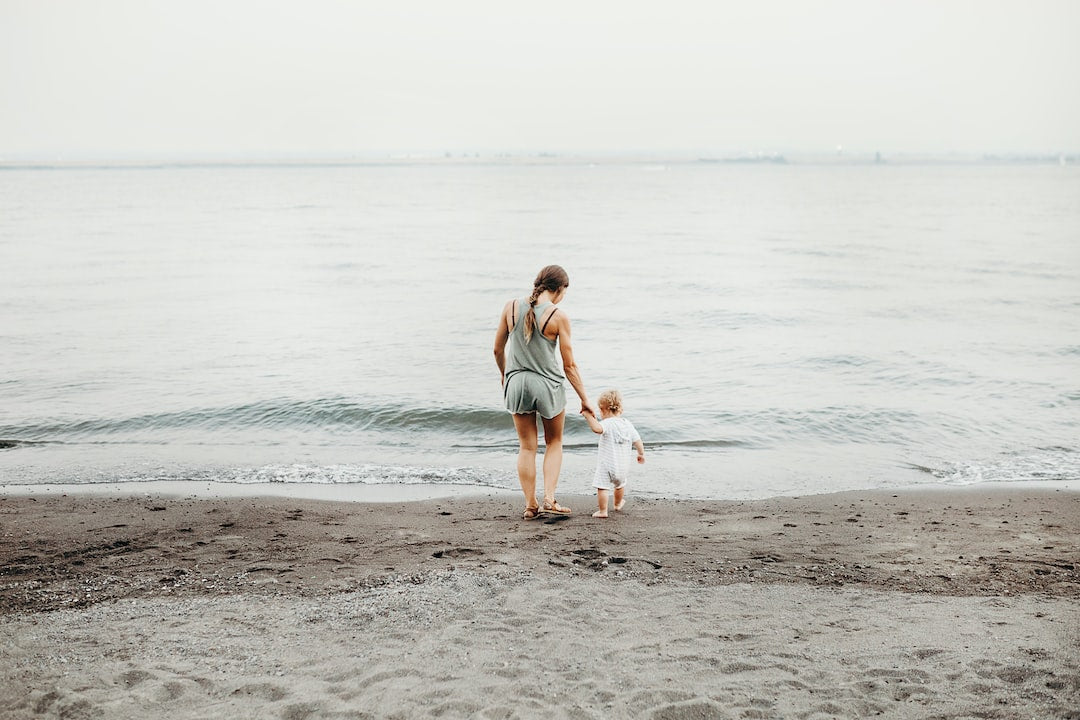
(774,329)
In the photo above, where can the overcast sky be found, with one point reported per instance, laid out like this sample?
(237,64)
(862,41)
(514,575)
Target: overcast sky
(314,77)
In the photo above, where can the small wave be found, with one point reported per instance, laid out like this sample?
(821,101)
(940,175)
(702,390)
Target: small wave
(732,320)
(366,474)
(10,444)
(511,444)
(920,468)
(705,444)
(836,424)
(1056,464)
(808,252)
(324,414)
(838,361)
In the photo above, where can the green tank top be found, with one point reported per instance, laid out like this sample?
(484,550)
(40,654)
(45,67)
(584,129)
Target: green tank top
(537,355)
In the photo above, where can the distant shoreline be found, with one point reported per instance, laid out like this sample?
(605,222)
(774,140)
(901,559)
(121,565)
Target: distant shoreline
(546,159)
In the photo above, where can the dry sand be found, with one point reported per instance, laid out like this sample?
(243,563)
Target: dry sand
(912,604)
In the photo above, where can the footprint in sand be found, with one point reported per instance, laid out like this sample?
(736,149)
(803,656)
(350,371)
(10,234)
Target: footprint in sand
(924,653)
(265,691)
(691,710)
(299,712)
(45,702)
(1016,675)
(456,553)
(134,677)
(587,557)
(738,667)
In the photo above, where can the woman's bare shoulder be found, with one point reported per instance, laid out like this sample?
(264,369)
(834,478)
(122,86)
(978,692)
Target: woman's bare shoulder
(555,322)
(508,308)
(560,316)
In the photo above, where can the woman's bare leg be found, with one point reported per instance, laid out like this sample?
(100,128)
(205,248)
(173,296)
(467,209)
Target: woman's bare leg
(525,424)
(553,434)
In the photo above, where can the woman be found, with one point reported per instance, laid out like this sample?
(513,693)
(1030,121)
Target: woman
(533,382)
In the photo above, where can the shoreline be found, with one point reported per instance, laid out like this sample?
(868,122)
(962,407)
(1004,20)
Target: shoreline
(412,492)
(352,492)
(929,602)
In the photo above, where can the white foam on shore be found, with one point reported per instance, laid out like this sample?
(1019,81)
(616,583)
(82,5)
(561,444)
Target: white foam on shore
(352,492)
(398,492)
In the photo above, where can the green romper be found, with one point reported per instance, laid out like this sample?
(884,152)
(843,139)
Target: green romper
(534,380)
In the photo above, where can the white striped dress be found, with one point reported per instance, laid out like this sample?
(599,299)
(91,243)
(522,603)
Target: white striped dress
(614,452)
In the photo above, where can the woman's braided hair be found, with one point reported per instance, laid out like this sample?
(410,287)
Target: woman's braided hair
(552,278)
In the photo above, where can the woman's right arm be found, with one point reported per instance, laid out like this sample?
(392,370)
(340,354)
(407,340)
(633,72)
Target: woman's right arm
(501,335)
(566,349)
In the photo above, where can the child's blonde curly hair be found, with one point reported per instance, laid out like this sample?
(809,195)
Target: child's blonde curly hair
(611,401)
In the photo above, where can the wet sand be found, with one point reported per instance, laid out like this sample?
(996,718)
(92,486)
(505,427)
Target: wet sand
(925,603)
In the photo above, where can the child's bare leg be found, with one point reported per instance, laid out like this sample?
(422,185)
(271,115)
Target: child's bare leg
(601,502)
(620,500)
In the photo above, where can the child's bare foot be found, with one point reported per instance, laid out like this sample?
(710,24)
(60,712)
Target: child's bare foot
(620,505)
(599,514)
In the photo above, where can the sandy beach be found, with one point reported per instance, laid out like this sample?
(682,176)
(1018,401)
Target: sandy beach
(934,603)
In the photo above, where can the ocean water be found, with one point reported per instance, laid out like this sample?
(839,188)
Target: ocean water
(775,329)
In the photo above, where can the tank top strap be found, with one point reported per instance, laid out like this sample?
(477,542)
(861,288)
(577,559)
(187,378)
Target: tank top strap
(523,307)
(541,308)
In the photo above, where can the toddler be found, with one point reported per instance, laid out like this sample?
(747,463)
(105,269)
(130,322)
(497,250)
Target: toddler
(617,436)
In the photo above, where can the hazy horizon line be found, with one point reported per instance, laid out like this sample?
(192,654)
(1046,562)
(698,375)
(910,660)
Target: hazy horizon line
(59,159)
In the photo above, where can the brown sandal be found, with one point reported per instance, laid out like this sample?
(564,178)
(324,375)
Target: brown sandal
(531,513)
(555,507)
